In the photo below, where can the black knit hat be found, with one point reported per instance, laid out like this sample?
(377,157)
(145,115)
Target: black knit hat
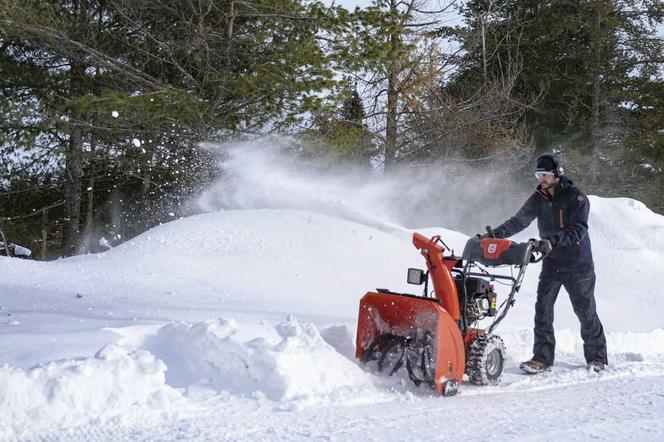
(546,163)
(549,163)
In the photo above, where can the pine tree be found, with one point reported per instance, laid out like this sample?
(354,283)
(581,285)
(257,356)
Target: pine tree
(116,96)
(597,63)
(341,138)
(383,48)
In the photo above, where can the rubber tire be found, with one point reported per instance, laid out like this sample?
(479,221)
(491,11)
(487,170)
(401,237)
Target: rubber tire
(486,360)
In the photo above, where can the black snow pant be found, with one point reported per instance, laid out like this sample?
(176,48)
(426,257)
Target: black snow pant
(581,288)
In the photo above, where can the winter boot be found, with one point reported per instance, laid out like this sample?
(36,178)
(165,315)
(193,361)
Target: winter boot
(596,366)
(534,366)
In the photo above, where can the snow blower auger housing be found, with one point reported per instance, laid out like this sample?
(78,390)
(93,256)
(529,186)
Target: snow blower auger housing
(436,336)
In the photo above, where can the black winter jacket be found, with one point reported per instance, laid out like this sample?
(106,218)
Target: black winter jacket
(563,220)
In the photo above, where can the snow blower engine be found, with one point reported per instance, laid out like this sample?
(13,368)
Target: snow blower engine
(436,336)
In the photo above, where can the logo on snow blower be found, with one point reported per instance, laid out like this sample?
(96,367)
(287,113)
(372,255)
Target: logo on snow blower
(492,249)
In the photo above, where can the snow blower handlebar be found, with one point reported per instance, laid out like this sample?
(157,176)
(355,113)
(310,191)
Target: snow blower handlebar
(494,252)
(486,251)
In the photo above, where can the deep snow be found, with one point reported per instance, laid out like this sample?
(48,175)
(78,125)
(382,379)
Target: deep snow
(239,325)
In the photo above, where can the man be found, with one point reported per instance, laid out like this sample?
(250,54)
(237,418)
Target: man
(561,210)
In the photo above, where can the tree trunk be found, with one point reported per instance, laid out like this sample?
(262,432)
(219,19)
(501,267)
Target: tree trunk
(596,102)
(482,18)
(44,234)
(230,20)
(596,82)
(89,212)
(392,96)
(73,179)
(73,185)
(73,191)
(391,129)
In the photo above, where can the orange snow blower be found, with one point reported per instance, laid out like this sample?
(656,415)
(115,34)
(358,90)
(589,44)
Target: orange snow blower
(436,336)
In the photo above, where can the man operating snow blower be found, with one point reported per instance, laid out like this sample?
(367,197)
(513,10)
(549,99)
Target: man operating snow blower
(561,210)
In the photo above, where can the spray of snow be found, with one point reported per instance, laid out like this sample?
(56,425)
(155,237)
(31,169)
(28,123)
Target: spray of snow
(264,173)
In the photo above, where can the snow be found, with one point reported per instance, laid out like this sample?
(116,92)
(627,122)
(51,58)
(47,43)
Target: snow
(267,365)
(69,392)
(240,324)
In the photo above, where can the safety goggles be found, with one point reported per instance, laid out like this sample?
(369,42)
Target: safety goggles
(541,174)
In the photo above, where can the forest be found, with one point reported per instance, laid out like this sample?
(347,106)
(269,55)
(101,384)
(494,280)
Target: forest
(108,105)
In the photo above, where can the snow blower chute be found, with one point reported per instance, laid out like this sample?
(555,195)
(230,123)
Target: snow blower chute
(436,336)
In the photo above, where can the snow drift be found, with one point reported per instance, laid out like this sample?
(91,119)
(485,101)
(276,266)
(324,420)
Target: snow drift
(292,363)
(260,305)
(115,385)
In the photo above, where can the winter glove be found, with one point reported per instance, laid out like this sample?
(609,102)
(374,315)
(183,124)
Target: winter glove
(489,234)
(543,246)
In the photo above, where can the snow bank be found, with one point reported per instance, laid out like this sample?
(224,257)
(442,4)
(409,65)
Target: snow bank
(634,346)
(293,362)
(626,224)
(290,363)
(291,261)
(116,384)
(258,266)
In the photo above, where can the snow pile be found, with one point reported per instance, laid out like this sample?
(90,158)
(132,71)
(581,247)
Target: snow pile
(293,362)
(289,261)
(113,385)
(627,224)
(625,346)
(153,305)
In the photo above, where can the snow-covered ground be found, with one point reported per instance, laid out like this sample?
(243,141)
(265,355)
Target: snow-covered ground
(239,325)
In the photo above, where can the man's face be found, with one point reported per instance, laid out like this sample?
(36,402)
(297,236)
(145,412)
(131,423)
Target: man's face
(547,179)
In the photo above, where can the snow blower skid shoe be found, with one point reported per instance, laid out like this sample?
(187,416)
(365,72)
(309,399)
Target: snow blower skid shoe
(435,336)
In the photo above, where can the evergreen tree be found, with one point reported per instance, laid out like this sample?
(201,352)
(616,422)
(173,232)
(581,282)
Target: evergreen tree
(115,96)
(385,47)
(342,138)
(596,62)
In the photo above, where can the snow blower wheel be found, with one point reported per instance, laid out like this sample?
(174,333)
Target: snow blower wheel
(486,359)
